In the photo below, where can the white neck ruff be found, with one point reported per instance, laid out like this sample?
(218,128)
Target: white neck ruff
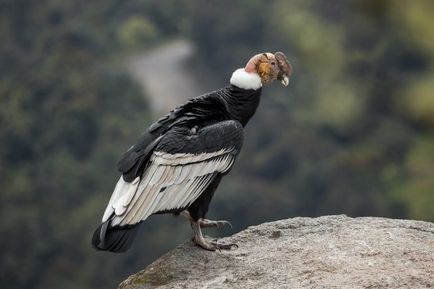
(246,80)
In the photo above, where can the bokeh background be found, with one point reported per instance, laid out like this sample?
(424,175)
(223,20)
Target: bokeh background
(352,134)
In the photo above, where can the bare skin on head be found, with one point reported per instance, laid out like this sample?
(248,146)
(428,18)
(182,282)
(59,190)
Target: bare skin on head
(270,67)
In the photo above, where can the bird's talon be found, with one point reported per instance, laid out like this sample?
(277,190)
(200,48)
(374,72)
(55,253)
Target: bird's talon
(227,223)
(213,245)
(204,245)
(205,223)
(224,246)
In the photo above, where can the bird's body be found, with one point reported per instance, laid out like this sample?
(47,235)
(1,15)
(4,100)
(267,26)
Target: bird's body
(178,162)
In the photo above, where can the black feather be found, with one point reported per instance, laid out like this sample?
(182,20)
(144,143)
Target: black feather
(228,103)
(135,159)
(224,134)
(218,118)
(114,239)
(130,157)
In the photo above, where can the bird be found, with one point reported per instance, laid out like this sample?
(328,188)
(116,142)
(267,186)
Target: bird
(177,164)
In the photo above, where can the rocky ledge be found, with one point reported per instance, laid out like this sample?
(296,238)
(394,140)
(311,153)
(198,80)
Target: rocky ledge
(324,252)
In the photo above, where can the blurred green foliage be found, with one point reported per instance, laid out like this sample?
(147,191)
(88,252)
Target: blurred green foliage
(67,112)
(352,134)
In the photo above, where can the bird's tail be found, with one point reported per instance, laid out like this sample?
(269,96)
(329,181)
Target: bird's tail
(114,239)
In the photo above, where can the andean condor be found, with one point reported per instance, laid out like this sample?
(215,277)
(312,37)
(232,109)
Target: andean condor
(177,164)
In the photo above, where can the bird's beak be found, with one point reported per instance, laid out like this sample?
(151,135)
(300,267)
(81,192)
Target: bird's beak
(285,68)
(285,80)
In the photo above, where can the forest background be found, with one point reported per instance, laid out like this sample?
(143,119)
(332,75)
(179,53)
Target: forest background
(352,134)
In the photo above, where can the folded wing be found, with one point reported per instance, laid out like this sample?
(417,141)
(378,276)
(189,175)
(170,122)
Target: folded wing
(180,168)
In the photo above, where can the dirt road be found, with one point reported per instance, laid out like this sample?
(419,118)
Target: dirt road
(163,75)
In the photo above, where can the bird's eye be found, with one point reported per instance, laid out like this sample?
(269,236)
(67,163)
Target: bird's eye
(273,63)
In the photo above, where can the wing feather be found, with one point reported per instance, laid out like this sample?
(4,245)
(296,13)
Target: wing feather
(178,170)
(170,182)
(197,190)
(133,208)
(182,190)
(121,196)
(138,198)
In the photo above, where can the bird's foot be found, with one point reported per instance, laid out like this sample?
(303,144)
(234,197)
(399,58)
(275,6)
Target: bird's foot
(200,241)
(212,246)
(223,246)
(205,223)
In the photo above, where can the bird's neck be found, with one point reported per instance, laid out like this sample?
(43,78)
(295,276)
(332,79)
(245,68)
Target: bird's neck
(246,80)
(243,95)
(241,104)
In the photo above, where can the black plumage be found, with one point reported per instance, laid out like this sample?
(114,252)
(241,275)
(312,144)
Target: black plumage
(204,124)
(229,103)
(179,161)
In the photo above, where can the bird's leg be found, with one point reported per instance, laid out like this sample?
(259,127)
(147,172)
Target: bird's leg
(200,241)
(206,223)
(198,238)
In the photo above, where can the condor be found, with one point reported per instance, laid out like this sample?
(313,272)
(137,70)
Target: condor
(179,161)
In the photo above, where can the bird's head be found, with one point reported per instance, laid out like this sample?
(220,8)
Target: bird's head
(262,69)
(270,67)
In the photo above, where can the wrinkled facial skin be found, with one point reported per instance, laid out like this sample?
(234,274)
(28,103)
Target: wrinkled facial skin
(270,67)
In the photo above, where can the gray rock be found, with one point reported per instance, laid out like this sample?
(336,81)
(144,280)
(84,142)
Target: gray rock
(325,252)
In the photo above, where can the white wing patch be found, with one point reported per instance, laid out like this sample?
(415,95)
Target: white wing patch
(171,181)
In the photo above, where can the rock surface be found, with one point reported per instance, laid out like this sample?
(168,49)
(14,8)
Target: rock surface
(325,252)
